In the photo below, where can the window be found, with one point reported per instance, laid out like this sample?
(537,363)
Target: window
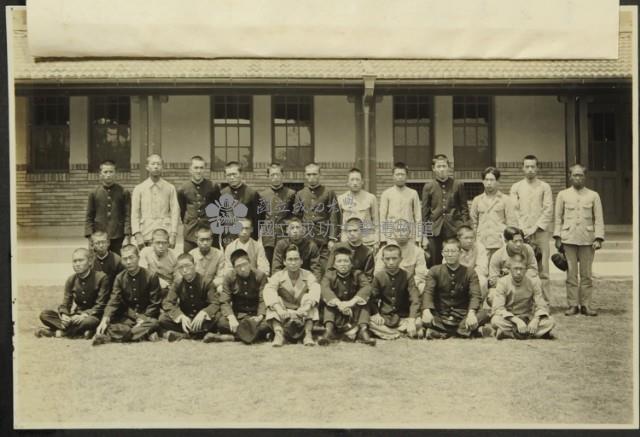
(49,134)
(472,137)
(292,131)
(412,131)
(232,138)
(110,131)
(602,139)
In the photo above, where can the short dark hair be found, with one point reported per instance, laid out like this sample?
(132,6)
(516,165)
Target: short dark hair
(464,228)
(400,166)
(451,241)
(391,246)
(511,231)
(491,170)
(293,220)
(130,247)
(108,162)
(576,165)
(530,157)
(233,164)
(310,164)
(100,234)
(355,170)
(291,248)
(440,157)
(159,231)
(342,250)
(185,256)
(237,254)
(356,220)
(274,165)
(204,229)
(197,158)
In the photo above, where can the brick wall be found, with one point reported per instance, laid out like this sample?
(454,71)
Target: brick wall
(51,204)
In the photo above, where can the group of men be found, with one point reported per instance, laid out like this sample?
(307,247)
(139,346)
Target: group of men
(315,267)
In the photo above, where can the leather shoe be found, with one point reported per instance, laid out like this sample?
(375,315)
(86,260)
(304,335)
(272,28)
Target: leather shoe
(572,311)
(588,311)
(365,338)
(327,337)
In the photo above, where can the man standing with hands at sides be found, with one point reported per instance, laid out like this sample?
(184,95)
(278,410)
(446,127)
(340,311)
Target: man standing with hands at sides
(579,229)
(363,205)
(193,197)
(444,208)
(317,207)
(109,209)
(400,202)
(451,299)
(134,305)
(154,205)
(533,201)
(242,194)
(277,201)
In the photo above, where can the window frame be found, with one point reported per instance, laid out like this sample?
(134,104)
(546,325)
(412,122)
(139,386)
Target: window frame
(491,125)
(213,125)
(91,138)
(431,146)
(312,130)
(31,166)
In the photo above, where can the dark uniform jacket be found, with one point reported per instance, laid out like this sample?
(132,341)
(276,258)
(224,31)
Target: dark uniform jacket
(395,294)
(243,295)
(444,205)
(451,293)
(362,258)
(189,298)
(308,252)
(249,198)
(193,198)
(90,294)
(108,210)
(355,283)
(110,265)
(278,207)
(135,296)
(318,206)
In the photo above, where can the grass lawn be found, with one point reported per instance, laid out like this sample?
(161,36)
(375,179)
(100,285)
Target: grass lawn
(583,377)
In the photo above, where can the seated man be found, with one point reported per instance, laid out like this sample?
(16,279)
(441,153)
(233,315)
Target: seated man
(395,299)
(519,308)
(473,255)
(159,259)
(499,263)
(253,248)
(105,260)
(345,292)
(132,311)
(86,293)
(191,307)
(291,297)
(362,258)
(451,299)
(209,260)
(413,260)
(242,307)
(309,252)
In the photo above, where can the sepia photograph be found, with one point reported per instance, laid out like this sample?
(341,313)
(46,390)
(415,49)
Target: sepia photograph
(364,214)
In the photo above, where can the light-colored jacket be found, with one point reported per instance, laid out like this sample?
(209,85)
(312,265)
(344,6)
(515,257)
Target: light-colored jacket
(489,216)
(533,204)
(476,258)
(254,249)
(281,290)
(364,205)
(153,206)
(578,217)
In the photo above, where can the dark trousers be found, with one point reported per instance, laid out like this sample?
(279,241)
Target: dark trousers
(435,251)
(51,319)
(269,251)
(124,329)
(223,325)
(454,326)
(189,245)
(167,324)
(359,317)
(116,245)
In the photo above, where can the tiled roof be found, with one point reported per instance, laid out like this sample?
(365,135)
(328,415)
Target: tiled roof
(26,68)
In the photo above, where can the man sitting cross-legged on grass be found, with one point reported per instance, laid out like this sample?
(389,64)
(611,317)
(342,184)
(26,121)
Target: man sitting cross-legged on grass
(104,260)
(88,289)
(242,309)
(191,307)
(395,299)
(291,297)
(451,299)
(519,307)
(345,292)
(132,311)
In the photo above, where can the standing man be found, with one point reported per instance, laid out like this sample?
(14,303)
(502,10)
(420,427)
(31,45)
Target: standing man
(154,205)
(277,202)
(579,228)
(134,305)
(444,208)
(317,207)
(400,202)
(193,198)
(109,208)
(363,205)
(534,210)
(491,212)
(242,194)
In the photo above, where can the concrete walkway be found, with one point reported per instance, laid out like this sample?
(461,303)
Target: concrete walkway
(42,262)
